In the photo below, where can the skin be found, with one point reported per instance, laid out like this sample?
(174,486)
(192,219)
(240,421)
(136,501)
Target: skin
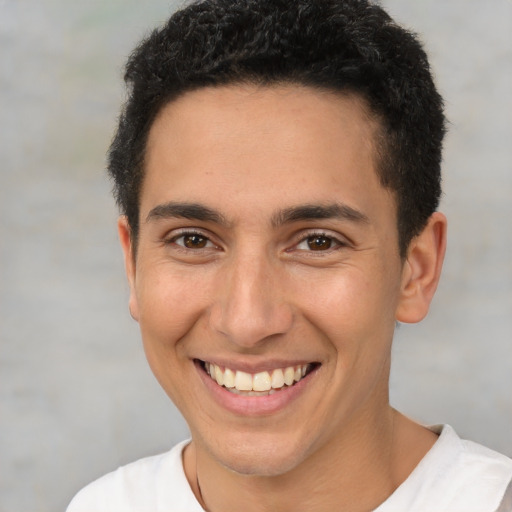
(266,282)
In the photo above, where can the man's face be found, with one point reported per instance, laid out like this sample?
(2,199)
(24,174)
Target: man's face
(267,252)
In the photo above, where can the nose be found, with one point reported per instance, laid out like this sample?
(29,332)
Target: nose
(251,305)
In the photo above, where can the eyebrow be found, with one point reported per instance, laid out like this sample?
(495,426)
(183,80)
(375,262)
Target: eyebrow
(192,211)
(314,212)
(307,212)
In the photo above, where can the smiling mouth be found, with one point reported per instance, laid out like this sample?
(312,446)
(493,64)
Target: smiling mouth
(257,384)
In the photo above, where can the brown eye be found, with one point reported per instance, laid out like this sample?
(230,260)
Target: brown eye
(194,241)
(319,243)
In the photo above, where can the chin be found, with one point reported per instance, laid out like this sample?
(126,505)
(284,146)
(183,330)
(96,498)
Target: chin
(259,457)
(263,465)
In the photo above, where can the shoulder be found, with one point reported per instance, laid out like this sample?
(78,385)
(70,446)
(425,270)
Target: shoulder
(141,486)
(455,475)
(475,464)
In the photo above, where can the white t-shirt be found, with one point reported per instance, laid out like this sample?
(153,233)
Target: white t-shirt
(454,476)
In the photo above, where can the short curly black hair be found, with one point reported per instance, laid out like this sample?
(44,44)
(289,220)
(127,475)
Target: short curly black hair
(348,46)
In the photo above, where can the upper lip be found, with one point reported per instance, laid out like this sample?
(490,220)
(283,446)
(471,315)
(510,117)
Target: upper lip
(257,366)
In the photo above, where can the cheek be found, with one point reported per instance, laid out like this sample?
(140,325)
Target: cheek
(354,308)
(169,308)
(170,304)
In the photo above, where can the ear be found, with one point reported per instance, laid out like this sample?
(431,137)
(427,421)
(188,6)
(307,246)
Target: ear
(125,237)
(422,270)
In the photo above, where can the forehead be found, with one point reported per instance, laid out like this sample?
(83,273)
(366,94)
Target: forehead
(280,145)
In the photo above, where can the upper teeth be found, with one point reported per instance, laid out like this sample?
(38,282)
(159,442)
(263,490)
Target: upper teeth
(262,381)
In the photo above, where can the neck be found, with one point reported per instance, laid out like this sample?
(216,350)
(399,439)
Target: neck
(358,471)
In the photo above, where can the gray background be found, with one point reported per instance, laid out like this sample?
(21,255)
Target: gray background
(76,396)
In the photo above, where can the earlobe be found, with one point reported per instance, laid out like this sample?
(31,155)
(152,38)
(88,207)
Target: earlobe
(125,238)
(422,270)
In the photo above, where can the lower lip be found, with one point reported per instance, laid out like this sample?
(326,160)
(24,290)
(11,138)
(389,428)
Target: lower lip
(253,405)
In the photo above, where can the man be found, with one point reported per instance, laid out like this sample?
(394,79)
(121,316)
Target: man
(277,166)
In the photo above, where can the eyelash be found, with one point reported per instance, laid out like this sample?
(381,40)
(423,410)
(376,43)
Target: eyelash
(332,240)
(338,244)
(172,240)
